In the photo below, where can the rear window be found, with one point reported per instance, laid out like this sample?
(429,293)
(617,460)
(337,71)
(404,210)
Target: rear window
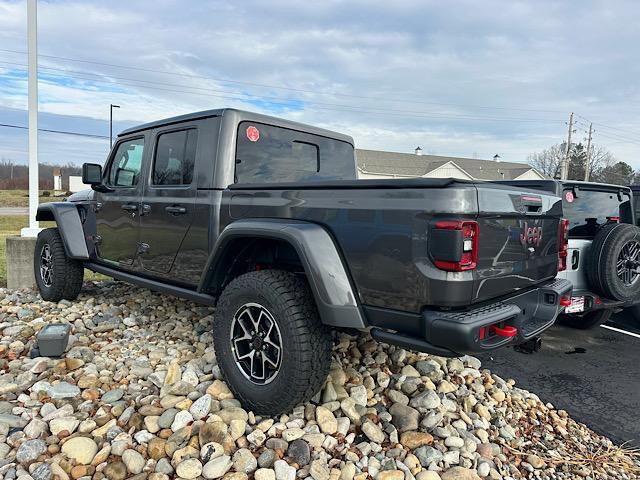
(268,154)
(588,210)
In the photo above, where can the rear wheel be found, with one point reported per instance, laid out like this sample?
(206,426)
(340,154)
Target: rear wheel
(586,320)
(57,276)
(269,341)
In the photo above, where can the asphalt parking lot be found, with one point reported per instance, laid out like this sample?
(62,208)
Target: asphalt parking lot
(593,374)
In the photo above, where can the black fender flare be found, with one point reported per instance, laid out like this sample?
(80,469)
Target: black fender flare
(67,217)
(330,284)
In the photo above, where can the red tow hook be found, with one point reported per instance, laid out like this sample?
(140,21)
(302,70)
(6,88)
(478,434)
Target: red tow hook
(507,331)
(565,301)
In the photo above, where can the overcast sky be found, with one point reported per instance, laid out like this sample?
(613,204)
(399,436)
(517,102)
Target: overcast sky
(461,78)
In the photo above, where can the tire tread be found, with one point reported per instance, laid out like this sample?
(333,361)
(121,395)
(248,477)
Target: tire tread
(68,273)
(312,338)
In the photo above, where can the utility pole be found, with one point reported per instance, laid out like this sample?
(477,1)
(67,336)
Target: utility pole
(564,172)
(111,107)
(587,163)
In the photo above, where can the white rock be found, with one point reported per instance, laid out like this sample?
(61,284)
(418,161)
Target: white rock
(143,436)
(284,471)
(133,460)
(182,419)
(359,395)
(35,429)
(211,451)
(61,424)
(81,449)
(291,434)
(265,474)
(201,407)
(217,467)
(189,469)
(373,431)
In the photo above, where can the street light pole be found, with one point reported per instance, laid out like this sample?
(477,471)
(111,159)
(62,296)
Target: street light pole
(111,107)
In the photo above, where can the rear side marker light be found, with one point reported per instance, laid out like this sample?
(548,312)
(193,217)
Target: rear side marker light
(469,257)
(507,331)
(565,302)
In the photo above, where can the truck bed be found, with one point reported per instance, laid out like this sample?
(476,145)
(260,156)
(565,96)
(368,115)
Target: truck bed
(382,229)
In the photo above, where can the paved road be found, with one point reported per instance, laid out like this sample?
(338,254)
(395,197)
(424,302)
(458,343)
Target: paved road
(593,374)
(14,211)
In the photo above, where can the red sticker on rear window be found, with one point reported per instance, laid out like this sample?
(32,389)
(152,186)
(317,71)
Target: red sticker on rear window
(568,196)
(253,134)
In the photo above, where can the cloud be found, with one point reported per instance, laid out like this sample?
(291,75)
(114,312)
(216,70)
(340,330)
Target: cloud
(458,78)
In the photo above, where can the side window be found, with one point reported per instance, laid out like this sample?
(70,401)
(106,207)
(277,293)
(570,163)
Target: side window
(175,158)
(268,154)
(127,163)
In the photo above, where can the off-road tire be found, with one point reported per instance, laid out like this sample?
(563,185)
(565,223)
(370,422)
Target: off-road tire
(306,342)
(587,320)
(601,264)
(67,276)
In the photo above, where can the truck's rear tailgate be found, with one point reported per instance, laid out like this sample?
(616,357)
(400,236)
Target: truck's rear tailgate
(518,239)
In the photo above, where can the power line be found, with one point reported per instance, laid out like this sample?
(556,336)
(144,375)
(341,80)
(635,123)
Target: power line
(63,132)
(609,127)
(279,87)
(610,134)
(287,103)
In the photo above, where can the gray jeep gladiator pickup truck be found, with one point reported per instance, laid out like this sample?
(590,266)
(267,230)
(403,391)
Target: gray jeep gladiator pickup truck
(264,219)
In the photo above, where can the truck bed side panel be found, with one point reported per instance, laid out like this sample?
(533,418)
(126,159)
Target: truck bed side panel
(381,232)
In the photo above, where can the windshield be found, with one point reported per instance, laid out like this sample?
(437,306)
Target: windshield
(588,210)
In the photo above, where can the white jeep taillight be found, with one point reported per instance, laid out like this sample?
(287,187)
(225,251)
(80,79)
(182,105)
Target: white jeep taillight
(563,241)
(466,243)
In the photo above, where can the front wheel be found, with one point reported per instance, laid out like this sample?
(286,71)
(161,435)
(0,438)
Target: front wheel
(587,320)
(57,276)
(269,341)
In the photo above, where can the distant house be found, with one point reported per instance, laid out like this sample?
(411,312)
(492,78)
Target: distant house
(379,164)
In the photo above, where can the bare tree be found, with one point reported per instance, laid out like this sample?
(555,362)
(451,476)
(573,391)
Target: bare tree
(549,160)
(600,158)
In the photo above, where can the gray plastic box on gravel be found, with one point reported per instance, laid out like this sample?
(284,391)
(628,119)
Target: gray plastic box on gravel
(53,339)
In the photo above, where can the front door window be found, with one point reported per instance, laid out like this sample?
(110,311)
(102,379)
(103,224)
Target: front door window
(127,164)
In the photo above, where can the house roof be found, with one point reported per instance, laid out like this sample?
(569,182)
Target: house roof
(410,164)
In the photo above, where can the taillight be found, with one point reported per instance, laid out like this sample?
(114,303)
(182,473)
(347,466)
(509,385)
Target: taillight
(563,241)
(466,243)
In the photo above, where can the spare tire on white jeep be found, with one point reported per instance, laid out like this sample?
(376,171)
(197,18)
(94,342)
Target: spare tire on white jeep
(613,269)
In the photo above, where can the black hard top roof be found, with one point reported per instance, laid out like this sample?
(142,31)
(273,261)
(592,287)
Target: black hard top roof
(241,115)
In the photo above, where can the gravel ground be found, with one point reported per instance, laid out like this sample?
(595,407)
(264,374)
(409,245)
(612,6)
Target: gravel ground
(139,395)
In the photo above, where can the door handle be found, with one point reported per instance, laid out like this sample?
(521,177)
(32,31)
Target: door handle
(175,210)
(130,207)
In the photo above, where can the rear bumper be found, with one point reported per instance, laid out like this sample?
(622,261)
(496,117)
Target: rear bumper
(510,321)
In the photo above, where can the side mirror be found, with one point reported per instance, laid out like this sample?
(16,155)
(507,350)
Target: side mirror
(91,174)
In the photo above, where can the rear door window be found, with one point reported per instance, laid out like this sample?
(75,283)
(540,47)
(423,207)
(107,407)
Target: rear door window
(588,210)
(175,158)
(269,154)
